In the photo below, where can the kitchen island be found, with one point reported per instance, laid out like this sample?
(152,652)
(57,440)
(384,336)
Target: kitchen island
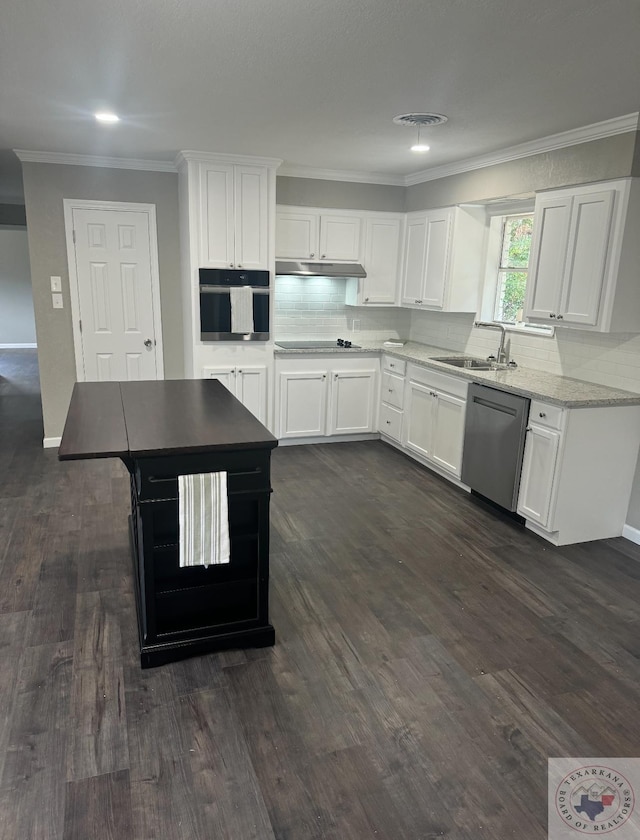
(160,430)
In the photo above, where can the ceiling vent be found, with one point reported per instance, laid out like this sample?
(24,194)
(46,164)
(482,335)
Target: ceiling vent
(420,119)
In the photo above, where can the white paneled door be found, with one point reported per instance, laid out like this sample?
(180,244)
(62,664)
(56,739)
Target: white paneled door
(114,255)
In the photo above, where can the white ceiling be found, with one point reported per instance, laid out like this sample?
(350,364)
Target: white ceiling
(314,82)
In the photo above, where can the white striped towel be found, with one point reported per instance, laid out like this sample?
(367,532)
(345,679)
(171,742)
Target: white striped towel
(241,298)
(203,517)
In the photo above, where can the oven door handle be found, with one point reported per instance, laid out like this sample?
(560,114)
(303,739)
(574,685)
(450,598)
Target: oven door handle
(221,290)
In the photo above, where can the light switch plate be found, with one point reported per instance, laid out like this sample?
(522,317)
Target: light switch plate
(56,284)
(56,299)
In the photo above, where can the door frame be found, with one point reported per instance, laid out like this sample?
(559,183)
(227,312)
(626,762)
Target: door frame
(71,204)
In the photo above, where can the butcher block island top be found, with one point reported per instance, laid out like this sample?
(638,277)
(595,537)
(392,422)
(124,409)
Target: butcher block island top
(170,416)
(162,430)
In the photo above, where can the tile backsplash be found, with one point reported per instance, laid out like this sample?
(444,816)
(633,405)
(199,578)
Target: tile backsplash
(314,306)
(608,359)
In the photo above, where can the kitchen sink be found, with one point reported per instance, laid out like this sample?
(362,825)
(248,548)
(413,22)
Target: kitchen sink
(468,362)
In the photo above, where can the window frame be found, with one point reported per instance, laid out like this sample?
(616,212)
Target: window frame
(497,215)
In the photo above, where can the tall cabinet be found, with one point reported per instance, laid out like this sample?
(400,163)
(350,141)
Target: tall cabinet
(227,220)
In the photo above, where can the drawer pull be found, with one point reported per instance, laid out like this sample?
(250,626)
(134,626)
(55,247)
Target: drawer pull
(158,479)
(542,414)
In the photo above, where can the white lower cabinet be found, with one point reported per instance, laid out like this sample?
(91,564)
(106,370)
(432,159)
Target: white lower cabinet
(324,396)
(435,409)
(578,470)
(392,397)
(246,382)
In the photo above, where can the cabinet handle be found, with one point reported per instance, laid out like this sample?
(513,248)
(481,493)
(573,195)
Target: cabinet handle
(388,422)
(528,429)
(323,256)
(390,390)
(239,371)
(560,317)
(366,300)
(392,365)
(551,315)
(230,265)
(542,414)
(324,375)
(239,265)
(312,255)
(335,375)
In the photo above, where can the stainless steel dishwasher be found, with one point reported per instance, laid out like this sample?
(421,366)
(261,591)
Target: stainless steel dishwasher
(494,435)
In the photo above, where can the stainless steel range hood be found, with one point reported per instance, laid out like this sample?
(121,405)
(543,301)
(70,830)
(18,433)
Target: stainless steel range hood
(295,268)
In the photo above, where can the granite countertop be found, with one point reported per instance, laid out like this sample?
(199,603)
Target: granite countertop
(535,384)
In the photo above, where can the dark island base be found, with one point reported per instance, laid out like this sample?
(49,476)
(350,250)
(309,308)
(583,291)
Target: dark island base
(197,644)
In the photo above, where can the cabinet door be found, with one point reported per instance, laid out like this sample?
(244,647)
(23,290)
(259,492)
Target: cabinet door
(251,210)
(437,257)
(390,422)
(223,373)
(586,257)
(297,235)
(340,238)
(538,470)
(303,403)
(415,251)
(548,256)
(251,389)
(448,432)
(381,257)
(419,419)
(352,401)
(216,216)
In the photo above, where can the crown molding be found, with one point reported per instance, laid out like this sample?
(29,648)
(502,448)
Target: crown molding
(27,156)
(596,131)
(342,175)
(188,155)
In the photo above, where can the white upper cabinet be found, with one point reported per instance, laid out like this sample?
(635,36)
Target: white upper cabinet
(382,259)
(233,217)
(310,234)
(443,255)
(584,258)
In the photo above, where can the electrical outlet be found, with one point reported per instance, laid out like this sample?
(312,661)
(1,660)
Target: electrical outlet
(56,300)
(56,284)
(355,325)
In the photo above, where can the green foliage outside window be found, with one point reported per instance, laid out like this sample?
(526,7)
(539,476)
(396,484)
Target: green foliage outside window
(513,268)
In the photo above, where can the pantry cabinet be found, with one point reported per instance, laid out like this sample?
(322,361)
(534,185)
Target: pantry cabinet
(324,396)
(584,257)
(435,407)
(443,254)
(246,382)
(309,234)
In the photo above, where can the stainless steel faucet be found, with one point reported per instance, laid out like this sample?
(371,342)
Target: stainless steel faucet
(503,357)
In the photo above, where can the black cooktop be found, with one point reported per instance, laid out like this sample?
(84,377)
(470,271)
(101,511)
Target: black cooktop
(341,344)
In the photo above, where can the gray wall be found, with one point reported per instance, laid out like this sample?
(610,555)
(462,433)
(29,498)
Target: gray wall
(17,325)
(312,192)
(598,160)
(45,186)
(12,214)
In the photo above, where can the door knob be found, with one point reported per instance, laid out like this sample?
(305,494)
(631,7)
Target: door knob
(148,343)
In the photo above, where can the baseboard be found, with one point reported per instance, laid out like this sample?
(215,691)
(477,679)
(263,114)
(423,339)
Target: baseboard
(632,534)
(18,346)
(329,439)
(51,443)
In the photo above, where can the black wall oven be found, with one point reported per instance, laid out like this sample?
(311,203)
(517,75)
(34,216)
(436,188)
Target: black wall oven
(218,297)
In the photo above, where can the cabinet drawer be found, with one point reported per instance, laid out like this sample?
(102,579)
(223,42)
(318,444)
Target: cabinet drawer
(392,389)
(543,414)
(398,366)
(157,478)
(391,422)
(438,381)
(184,610)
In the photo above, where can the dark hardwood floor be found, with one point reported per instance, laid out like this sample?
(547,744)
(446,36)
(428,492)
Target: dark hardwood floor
(430,655)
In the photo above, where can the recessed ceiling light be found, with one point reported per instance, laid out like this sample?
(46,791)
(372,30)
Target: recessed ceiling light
(107,117)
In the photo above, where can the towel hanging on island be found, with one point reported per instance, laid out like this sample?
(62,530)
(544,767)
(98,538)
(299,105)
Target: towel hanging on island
(203,518)
(241,298)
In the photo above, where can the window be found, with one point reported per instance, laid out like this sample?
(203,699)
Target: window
(513,268)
